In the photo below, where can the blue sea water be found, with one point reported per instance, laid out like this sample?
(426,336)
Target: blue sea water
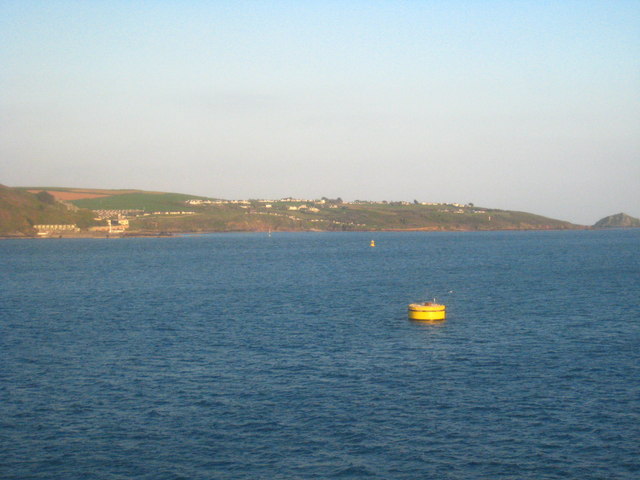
(243,356)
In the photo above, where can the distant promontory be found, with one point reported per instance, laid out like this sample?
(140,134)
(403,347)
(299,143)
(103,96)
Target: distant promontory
(619,220)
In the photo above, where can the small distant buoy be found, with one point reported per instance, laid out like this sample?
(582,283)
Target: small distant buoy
(427,311)
(373,244)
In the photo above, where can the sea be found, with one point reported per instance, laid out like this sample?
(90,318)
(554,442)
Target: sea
(290,356)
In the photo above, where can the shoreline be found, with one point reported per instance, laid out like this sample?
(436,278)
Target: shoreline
(90,235)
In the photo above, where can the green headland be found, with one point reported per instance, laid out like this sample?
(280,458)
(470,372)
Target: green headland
(95,212)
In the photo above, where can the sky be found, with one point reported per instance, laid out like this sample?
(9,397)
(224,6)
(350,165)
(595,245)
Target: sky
(519,105)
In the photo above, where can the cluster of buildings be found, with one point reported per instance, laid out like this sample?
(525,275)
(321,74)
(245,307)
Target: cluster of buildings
(115,226)
(46,230)
(305,205)
(323,201)
(198,201)
(105,214)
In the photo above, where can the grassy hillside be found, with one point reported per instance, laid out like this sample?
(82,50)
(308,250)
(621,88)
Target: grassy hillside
(20,210)
(146,201)
(256,216)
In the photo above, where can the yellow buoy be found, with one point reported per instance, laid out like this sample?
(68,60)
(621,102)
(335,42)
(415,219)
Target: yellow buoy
(373,244)
(427,311)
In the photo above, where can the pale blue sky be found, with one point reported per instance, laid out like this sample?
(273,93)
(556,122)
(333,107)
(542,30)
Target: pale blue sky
(523,105)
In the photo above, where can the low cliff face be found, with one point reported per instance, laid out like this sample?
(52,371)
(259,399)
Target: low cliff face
(620,220)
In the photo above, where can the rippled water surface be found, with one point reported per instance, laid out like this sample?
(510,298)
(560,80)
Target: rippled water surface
(243,356)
